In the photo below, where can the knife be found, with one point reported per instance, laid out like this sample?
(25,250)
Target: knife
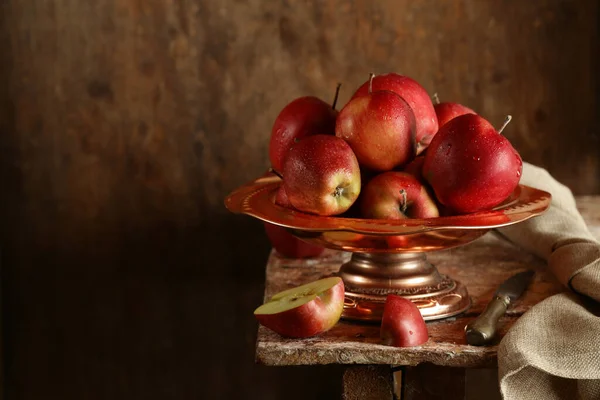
(483,328)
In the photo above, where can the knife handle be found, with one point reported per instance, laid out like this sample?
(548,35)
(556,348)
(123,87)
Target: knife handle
(483,328)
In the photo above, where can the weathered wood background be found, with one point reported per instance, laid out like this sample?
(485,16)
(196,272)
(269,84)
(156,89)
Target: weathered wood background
(125,123)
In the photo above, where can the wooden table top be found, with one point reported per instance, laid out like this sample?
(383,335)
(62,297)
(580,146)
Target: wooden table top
(481,265)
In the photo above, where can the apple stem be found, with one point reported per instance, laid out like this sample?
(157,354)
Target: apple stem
(337,93)
(403,205)
(506,122)
(436,98)
(371,76)
(275,172)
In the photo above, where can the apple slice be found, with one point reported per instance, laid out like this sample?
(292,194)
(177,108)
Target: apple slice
(304,311)
(402,324)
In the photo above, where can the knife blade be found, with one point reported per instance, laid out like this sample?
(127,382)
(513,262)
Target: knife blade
(483,329)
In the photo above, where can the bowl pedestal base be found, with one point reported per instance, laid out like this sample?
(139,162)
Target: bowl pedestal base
(370,277)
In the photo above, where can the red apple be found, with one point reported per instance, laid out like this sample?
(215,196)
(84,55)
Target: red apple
(415,167)
(354,210)
(416,97)
(304,311)
(402,324)
(289,245)
(471,166)
(304,116)
(431,207)
(321,175)
(447,111)
(283,241)
(396,195)
(282,199)
(380,128)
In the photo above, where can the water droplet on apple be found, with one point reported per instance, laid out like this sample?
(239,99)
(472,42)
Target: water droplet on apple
(518,174)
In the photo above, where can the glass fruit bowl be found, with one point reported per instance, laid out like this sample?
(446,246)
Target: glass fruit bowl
(389,256)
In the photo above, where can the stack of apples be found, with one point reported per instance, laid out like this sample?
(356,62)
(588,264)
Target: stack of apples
(389,153)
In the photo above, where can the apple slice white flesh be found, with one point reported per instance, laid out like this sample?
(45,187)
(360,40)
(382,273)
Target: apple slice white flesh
(304,311)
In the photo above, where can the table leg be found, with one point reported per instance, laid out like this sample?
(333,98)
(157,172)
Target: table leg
(421,382)
(429,382)
(368,382)
(432,382)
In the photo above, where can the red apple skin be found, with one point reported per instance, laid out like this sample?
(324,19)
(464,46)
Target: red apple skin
(354,210)
(283,241)
(289,245)
(302,117)
(415,167)
(310,319)
(282,199)
(470,166)
(402,324)
(447,111)
(380,129)
(417,98)
(322,175)
(382,198)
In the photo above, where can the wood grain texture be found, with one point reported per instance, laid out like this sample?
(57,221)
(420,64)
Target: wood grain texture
(370,382)
(123,125)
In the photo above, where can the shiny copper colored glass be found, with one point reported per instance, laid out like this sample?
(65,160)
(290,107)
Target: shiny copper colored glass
(389,256)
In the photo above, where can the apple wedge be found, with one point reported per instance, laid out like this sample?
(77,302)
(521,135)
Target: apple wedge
(304,311)
(402,324)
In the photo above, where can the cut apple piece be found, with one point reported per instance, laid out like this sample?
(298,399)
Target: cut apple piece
(402,324)
(304,311)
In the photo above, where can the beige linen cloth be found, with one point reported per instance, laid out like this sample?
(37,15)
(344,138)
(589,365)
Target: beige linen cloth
(553,350)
